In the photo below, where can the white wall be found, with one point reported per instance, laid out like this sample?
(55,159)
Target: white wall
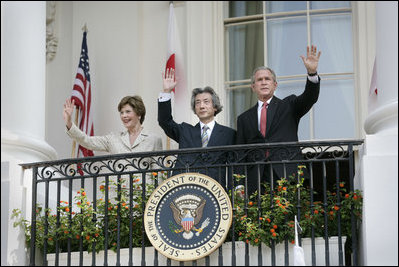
(127,44)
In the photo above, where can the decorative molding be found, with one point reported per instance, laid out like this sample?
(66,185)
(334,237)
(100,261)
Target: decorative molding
(51,38)
(383,119)
(25,148)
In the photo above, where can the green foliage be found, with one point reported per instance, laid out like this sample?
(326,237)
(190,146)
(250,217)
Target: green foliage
(81,222)
(273,217)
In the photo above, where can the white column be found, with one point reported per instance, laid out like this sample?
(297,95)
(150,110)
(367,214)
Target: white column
(23,84)
(23,93)
(378,159)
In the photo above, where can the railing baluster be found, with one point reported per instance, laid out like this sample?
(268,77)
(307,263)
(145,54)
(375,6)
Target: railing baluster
(57,245)
(82,185)
(143,183)
(106,219)
(118,216)
(94,219)
(131,219)
(33,219)
(312,214)
(46,213)
(337,181)
(325,205)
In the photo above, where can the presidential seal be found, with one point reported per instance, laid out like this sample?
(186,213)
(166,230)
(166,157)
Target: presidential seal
(188,216)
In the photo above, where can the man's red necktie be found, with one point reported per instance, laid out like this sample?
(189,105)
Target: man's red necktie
(263,117)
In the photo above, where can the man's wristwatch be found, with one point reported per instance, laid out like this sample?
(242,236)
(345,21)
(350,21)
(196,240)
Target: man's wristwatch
(312,74)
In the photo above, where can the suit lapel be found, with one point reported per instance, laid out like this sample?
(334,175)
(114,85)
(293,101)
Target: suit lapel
(197,135)
(216,134)
(253,120)
(125,139)
(271,111)
(139,139)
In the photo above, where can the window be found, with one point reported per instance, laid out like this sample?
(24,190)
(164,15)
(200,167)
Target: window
(275,34)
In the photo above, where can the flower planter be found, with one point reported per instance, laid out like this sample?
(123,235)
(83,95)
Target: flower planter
(213,258)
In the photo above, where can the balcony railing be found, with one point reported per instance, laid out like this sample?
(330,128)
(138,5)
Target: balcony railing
(328,163)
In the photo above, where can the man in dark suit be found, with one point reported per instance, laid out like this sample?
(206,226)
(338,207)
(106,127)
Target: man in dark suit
(206,133)
(276,120)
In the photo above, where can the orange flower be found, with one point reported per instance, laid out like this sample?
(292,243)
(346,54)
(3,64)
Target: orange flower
(87,237)
(83,193)
(336,207)
(102,187)
(342,184)
(331,212)
(275,226)
(77,236)
(268,220)
(67,209)
(256,240)
(154,174)
(284,188)
(346,195)
(66,232)
(250,203)
(274,234)
(316,211)
(78,203)
(272,230)
(96,234)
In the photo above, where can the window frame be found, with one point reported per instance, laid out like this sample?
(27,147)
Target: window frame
(358,11)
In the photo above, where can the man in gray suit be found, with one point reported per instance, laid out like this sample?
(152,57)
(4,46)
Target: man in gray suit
(206,133)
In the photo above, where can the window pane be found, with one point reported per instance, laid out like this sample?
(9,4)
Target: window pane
(329,4)
(285,89)
(334,112)
(286,41)
(239,101)
(245,51)
(333,37)
(244,8)
(281,6)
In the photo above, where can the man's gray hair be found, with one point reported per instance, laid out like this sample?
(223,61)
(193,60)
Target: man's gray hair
(215,98)
(263,68)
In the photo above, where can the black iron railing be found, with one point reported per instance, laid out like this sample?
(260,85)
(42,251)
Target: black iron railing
(328,163)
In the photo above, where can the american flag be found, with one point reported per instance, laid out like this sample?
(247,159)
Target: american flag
(81,93)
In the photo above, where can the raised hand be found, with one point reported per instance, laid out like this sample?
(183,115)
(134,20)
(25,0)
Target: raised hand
(169,81)
(312,59)
(67,113)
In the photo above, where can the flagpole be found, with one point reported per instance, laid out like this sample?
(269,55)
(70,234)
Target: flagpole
(73,154)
